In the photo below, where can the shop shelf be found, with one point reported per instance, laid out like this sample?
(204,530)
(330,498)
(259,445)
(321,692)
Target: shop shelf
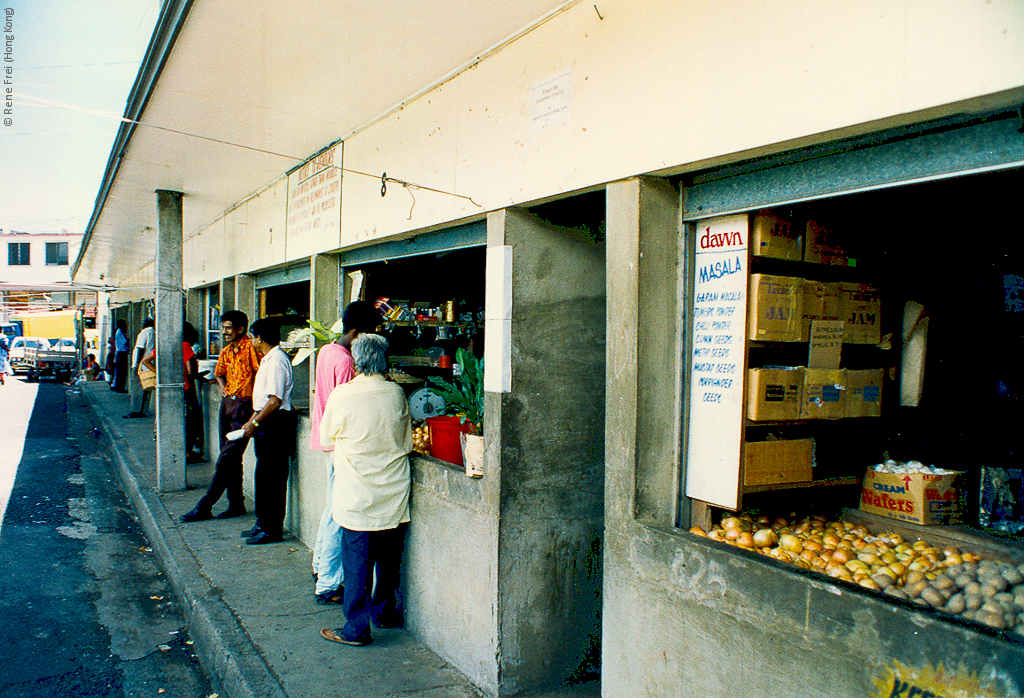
(826,482)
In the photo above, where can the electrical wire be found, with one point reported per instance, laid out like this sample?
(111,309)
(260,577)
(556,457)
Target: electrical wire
(40,102)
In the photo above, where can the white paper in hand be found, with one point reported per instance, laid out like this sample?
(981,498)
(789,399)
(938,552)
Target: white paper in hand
(235,435)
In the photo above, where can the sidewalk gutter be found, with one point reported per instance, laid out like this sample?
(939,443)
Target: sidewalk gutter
(224,648)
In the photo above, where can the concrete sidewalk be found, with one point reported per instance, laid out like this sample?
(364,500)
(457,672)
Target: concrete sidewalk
(250,609)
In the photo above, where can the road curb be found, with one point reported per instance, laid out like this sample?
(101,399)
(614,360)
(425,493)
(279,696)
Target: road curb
(224,647)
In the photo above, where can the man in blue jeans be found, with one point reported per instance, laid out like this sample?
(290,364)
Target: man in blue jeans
(367,420)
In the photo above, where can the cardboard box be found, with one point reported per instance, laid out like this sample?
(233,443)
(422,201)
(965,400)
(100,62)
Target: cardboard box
(821,302)
(824,394)
(825,346)
(774,236)
(773,393)
(864,392)
(776,308)
(827,245)
(860,309)
(778,462)
(917,498)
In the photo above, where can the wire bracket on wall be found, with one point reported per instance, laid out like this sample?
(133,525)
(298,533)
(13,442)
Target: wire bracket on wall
(409,186)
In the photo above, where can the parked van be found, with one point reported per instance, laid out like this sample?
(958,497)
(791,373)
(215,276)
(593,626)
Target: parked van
(17,351)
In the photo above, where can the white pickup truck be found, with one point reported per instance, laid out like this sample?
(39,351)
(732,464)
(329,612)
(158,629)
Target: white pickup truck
(57,362)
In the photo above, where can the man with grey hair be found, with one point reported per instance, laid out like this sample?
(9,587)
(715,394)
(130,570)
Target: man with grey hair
(367,421)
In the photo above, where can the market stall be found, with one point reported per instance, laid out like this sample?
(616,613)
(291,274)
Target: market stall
(432,309)
(853,381)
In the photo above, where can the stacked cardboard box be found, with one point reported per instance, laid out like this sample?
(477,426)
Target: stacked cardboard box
(916,497)
(824,394)
(774,392)
(776,309)
(778,462)
(860,309)
(827,245)
(820,302)
(864,392)
(774,236)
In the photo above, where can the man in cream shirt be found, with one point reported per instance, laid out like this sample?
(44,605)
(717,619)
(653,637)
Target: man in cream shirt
(367,420)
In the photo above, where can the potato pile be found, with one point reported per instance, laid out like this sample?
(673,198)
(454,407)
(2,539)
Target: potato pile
(421,437)
(946,579)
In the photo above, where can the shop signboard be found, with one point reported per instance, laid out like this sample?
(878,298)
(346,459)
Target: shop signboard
(314,204)
(718,330)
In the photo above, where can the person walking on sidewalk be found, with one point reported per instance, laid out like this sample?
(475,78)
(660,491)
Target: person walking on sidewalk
(333,368)
(272,428)
(144,343)
(236,374)
(121,345)
(368,421)
(5,360)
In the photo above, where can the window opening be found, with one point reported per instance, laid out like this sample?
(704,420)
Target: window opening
(57,254)
(18,254)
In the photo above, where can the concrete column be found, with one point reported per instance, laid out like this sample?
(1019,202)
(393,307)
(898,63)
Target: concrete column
(551,432)
(245,295)
(227,295)
(324,303)
(194,311)
(170,374)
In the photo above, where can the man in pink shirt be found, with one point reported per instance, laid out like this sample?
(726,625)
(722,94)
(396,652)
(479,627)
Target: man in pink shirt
(334,367)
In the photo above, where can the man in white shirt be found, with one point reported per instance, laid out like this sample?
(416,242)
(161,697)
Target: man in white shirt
(272,427)
(367,420)
(144,343)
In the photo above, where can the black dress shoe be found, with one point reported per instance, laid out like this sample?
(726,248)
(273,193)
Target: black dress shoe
(232,512)
(331,597)
(195,515)
(262,538)
(250,532)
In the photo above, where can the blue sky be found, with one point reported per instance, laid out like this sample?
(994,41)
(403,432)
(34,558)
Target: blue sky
(80,53)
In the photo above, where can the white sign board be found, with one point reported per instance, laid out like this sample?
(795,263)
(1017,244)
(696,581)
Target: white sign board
(314,204)
(719,329)
(550,101)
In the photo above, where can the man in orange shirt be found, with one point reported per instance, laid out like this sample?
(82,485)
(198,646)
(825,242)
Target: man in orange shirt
(235,373)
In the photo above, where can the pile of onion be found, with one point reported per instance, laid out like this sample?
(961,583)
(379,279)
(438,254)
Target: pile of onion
(946,579)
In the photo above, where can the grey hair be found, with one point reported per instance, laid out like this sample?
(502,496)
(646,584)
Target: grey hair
(369,354)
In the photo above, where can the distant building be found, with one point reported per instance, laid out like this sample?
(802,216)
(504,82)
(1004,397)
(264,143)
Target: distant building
(38,258)
(36,274)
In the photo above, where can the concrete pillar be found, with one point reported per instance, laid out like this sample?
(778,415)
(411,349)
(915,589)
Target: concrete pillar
(550,463)
(194,311)
(644,417)
(324,303)
(245,295)
(227,296)
(170,374)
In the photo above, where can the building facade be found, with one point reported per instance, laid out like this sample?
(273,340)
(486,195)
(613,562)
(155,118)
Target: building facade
(557,183)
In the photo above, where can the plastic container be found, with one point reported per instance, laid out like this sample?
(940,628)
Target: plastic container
(444,438)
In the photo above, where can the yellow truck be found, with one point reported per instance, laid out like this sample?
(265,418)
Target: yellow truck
(52,324)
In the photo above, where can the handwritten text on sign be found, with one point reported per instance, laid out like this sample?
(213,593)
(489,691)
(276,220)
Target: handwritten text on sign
(314,197)
(719,316)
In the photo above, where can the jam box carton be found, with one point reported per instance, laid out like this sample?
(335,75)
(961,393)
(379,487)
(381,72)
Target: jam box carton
(776,309)
(919,498)
(772,235)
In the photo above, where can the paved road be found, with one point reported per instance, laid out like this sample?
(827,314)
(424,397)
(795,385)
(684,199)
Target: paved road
(84,609)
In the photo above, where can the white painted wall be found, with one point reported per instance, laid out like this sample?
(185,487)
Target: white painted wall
(658,86)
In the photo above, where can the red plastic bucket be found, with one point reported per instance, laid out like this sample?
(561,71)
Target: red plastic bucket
(444,438)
